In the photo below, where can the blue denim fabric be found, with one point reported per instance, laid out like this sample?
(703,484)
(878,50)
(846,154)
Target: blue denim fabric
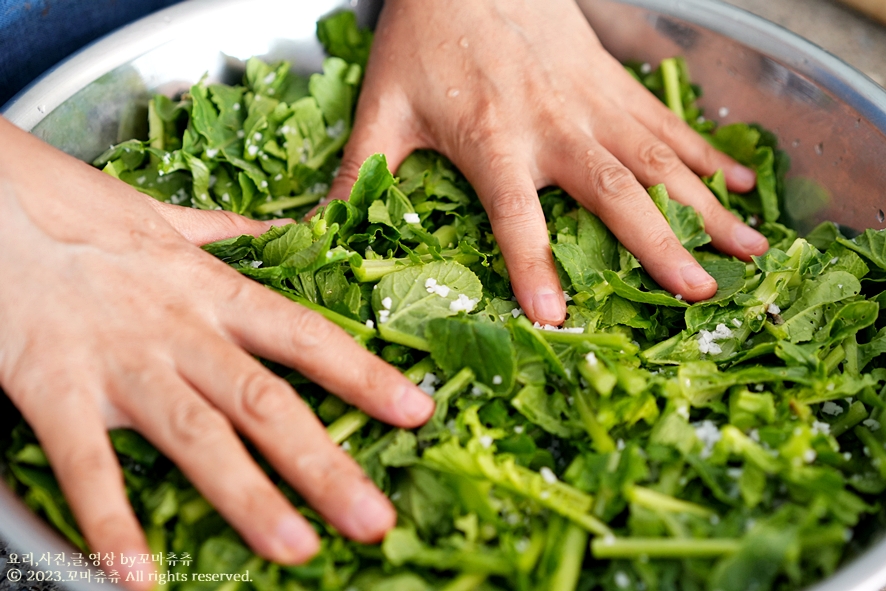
(37,34)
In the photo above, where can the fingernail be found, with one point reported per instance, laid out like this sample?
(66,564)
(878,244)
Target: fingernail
(749,239)
(695,276)
(372,515)
(743,175)
(415,404)
(299,539)
(548,306)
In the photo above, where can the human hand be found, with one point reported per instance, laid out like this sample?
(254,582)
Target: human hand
(521,95)
(110,317)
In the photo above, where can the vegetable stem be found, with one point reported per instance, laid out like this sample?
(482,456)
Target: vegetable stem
(466,582)
(662,547)
(287,203)
(657,501)
(572,554)
(856,414)
(346,425)
(417,372)
(670,75)
(360,331)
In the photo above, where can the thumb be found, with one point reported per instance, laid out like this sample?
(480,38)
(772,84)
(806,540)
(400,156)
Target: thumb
(200,226)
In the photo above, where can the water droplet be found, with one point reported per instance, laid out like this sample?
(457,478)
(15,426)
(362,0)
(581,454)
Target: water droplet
(795,143)
(463,42)
(881,217)
(41,108)
(452,92)
(819,149)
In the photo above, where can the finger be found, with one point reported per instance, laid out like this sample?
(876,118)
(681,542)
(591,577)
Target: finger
(201,442)
(74,438)
(603,185)
(266,410)
(689,146)
(287,333)
(653,162)
(508,193)
(381,126)
(201,226)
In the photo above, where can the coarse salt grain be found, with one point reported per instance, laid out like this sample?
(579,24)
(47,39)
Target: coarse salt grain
(548,475)
(428,383)
(831,408)
(496,380)
(773,309)
(370,324)
(485,441)
(411,218)
(708,433)
(386,303)
(871,424)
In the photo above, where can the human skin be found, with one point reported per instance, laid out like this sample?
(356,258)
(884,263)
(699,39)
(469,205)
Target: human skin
(111,316)
(520,95)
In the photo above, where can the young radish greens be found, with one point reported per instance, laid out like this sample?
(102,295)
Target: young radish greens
(731,444)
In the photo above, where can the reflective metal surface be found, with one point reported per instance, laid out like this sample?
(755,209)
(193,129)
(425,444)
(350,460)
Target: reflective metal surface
(829,118)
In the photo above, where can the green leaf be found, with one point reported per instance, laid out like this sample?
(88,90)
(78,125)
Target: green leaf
(629,292)
(341,37)
(485,348)
(412,306)
(296,238)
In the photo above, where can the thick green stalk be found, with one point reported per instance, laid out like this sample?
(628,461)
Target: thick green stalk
(607,340)
(346,425)
(853,416)
(466,582)
(850,365)
(657,501)
(833,359)
(670,75)
(371,270)
(358,330)
(417,372)
(572,553)
(662,547)
(601,440)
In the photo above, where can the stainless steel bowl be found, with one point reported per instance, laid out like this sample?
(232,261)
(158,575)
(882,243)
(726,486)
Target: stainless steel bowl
(830,118)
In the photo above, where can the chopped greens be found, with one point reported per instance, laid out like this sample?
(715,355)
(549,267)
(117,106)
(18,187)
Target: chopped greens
(648,443)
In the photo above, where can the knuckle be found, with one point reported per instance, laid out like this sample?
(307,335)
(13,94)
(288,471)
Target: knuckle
(347,174)
(309,329)
(262,396)
(193,422)
(79,462)
(659,158)
(672,127)
(329,474)
(610,182)
(664,243)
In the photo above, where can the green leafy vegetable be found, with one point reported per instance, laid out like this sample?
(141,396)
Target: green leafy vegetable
(650,443)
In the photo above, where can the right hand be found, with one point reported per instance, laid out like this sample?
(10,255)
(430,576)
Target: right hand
(110,316)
